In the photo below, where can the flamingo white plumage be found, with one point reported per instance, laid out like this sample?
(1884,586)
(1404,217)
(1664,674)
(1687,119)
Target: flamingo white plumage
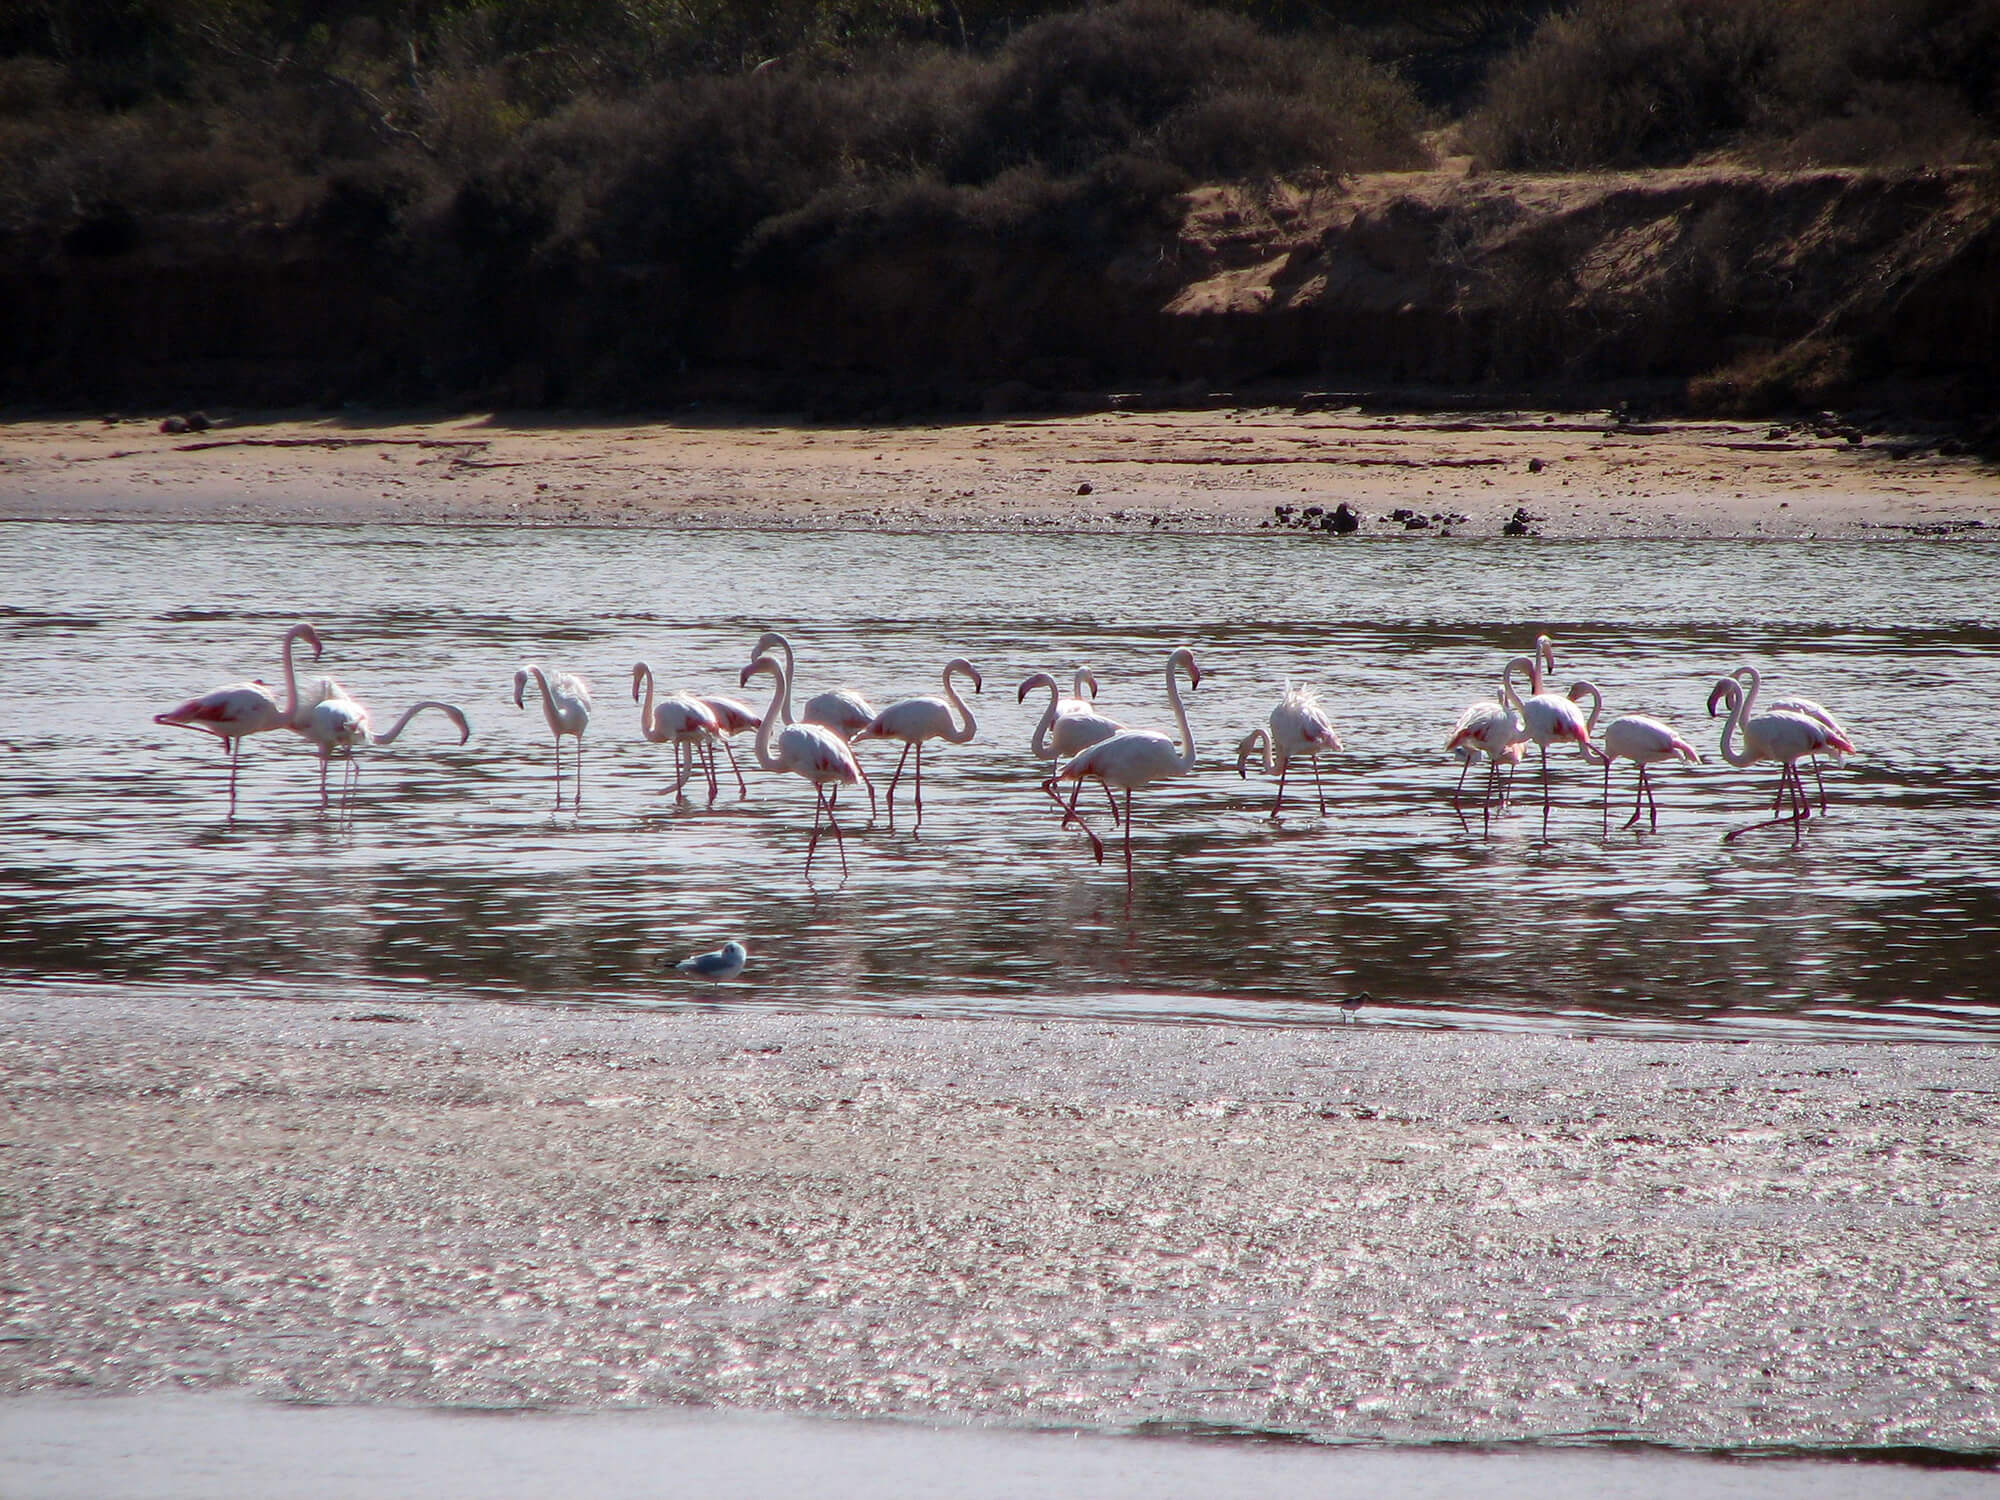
(1134,758)
(1300,730)
(914,720)
(810,751)
(1642,740)
(241,709)
(732,717)
(334,722)
(1783,737)
(842,710)
(1492,729)
(1752,680)
(566,707)
(678,719)
(1549,718)
(1068,725)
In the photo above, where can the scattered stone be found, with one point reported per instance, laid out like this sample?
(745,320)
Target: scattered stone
(1519,523)
(174,426)
(1416,523)
(197,421)
(1345,519)
(1535,466)
(1084,488)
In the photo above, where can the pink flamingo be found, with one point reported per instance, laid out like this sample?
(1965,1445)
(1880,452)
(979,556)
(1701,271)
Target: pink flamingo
(1643,741)
(914,720)
(1299,730)
(1492,729)
(811,751)
(336,723)
(1749,677)
(1783,737)
(1135,758)
(1549,718)
(566,709)
(842,710)
(242,709)
(1068,725)
(681,720)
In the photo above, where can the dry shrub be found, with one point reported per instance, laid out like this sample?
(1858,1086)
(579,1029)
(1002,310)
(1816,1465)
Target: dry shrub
(1810,374)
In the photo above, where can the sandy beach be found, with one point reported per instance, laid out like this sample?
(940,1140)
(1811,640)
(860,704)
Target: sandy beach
(1465,474)
(1354,1232)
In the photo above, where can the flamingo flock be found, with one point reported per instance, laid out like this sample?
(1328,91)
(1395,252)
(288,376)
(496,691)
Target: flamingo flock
(1076,743)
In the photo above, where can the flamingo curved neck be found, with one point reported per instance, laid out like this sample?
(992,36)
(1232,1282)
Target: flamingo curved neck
(1174,663)
(1256,743)
(1737,700)
(780,711)
(1589,690)
(964,736)
(1040,746)
(388,737)
(1752,680)
(296,633)
(646,725)
(1533,667)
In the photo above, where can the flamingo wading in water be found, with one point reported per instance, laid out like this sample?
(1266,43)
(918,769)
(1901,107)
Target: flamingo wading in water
(732,717)
(1549,718)
(1751,681)
(1299,730)
(681,720)
(1068,725)
(1643,741)
(336,723)
(566,707)
(1783,737)
(842,710)
(1494,730)
(1135,757)
(241,709)
(810,751)
(914,720)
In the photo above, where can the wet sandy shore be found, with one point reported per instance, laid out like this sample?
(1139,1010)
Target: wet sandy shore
(1354,1232)
(1574,474)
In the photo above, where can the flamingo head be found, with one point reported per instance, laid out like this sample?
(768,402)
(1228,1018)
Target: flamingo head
(960,664)
(1033,681)
(640,673)
(306,633)
(1545,652)
(1183,657)
(520,686)
(1726,690)
(760,664)
(1086,678)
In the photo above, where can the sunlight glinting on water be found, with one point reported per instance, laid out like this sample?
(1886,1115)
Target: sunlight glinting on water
(454,877)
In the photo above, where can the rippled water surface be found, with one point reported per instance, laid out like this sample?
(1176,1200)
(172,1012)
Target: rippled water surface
(454,878)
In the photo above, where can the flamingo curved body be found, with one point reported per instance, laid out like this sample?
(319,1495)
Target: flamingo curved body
(1642,740)
(678,719)
(1134,758)
(566,708)
(1548,718)
(809,751)
(1068,725)
(1784,737)
(914,720)
(842,710)
(1494,730)
(1752,681)
(1300,730)
(337,723)
(240,709)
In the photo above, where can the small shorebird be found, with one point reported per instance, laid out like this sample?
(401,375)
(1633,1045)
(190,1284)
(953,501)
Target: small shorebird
(725,962)
(1352,1005)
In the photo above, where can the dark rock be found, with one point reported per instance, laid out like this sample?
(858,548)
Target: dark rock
(1535,466)
(1416,523)
(197,421)
(1084,488)
(1344,519)
(174,426)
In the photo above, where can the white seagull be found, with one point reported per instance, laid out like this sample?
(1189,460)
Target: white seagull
(725,962)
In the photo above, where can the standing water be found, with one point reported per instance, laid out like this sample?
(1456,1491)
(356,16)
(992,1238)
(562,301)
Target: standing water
(454,878)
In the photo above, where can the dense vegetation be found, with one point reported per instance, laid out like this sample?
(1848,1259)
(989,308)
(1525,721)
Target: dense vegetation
(462,150)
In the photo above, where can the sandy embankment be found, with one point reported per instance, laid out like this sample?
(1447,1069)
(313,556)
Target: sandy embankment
(1354,1230)
(1577,474)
